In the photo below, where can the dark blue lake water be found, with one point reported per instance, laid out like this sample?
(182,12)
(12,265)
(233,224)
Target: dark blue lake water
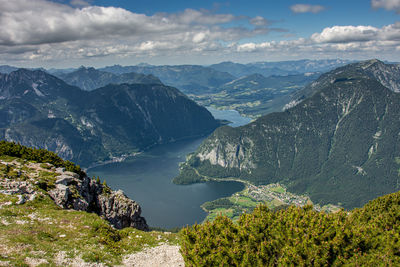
(146,178)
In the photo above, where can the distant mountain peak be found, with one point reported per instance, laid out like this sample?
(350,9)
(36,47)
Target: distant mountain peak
(387,74)
(142,65)
(89,78)
(25,83)
(7,69)
(371,61)
(83,68)
(29,75)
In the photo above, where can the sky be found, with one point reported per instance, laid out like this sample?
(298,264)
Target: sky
(71,33)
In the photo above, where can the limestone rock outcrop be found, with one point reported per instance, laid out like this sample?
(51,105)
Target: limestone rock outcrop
(69,190)
(121,211)
(88,195)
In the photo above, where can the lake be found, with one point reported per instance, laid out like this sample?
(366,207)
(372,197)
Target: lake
(146,178)
(229,115)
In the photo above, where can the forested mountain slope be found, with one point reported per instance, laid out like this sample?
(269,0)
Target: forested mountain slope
(40,110)
(341,145)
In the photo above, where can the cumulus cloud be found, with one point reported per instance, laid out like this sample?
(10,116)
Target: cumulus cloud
(345,34)
(52,29)
(352,40)
(272,46)
(350,34)
(390,32)
(386,4)
(42,22)
(191,16)
(47,31)
(305,8)
(79,3)
(259,21)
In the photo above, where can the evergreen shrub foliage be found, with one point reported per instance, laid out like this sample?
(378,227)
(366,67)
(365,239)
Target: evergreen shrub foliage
(39,155)
(369,236)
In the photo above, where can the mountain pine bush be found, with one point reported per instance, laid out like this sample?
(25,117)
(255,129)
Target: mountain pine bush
(39,155)
(369,236)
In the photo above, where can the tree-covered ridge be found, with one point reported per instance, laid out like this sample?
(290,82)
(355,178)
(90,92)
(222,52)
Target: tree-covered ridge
(40,110)
(37,154)
(369,236)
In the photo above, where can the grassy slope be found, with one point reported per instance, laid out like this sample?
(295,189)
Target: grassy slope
(41,230)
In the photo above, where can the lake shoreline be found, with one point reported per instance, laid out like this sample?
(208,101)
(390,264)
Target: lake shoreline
(147,177)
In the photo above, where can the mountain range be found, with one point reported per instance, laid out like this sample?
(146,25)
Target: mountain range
(337,141)
(340,144)
(40,110)
(279,68)
(255,95)
(268,88)
(252,95)
(7,69)
(253,89)
(187,78)
(89,79)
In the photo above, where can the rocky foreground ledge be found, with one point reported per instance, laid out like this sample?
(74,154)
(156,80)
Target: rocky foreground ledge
(71,191)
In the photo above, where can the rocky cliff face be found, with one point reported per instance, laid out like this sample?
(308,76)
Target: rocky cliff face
(70,191)
(88,195)
(229,154)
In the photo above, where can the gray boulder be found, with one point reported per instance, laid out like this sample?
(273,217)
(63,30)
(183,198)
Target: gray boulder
(65,179)
(87,195)
(60,195)
(121,211)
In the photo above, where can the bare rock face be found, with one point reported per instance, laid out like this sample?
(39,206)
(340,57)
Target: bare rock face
(87,195)
(11,187)
(69,190)
(24,190)
(121,211)
(60,195)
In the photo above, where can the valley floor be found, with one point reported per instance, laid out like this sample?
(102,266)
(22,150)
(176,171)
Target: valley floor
(275,196)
